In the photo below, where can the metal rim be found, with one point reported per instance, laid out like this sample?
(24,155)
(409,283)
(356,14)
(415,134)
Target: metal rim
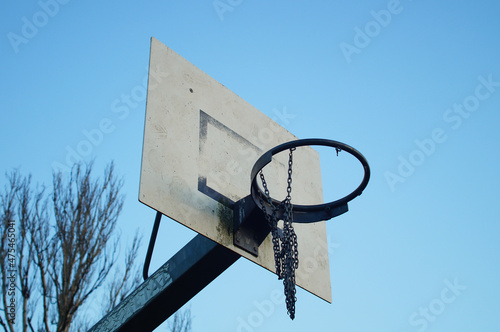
(310,213)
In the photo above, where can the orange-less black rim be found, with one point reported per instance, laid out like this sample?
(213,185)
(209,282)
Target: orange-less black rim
(309,213)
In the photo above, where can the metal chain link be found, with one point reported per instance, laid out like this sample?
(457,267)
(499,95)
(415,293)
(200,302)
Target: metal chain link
(285,245)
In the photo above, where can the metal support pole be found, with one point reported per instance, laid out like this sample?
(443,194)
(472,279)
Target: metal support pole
(185,274)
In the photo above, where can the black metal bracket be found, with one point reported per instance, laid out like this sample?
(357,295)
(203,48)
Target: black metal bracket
(250,226)
(152,240)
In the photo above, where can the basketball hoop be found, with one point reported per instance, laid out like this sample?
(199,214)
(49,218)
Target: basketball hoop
(285,245)
(308,213)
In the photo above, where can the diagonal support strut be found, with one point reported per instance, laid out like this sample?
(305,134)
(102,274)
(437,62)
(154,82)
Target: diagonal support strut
(184,275)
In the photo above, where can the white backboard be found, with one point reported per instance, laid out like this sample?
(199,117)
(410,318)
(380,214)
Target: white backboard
(200,143)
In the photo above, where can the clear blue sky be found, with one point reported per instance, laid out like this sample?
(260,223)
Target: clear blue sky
(414,85)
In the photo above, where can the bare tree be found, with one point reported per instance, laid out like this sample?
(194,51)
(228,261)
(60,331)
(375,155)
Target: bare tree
(181,321)
(66,245)
(18,207)
(119,288)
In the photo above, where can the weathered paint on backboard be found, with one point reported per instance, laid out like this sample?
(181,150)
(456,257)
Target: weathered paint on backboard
(200,143)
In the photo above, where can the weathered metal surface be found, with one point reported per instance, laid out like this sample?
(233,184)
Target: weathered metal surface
(169,288)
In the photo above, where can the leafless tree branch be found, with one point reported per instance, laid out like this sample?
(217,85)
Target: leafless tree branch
(181,322)
(126,281)
(66,246)
(8,247)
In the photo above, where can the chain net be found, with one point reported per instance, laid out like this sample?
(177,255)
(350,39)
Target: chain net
(286,255)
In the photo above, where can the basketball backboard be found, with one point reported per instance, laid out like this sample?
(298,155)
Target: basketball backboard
(200,143)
